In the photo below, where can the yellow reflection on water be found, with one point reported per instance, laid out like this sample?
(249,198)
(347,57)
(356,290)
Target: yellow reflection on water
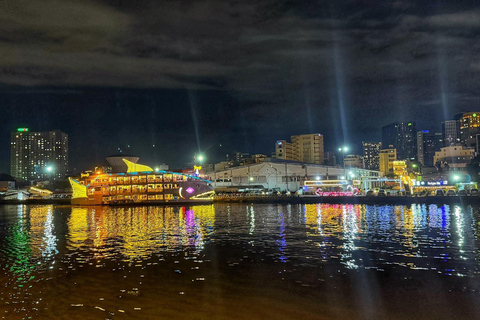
(42,236)
(137,232)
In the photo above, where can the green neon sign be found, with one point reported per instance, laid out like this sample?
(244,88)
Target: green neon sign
(22,129)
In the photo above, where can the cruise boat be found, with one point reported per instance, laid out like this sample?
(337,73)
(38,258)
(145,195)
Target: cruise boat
(139,185)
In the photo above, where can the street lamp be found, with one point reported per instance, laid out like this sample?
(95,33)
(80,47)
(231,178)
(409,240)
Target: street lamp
(343,150)
(50,173)
(200,158)
(197,166)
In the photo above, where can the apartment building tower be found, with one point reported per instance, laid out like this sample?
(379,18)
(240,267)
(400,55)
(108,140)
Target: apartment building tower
(38,155)
(306,148)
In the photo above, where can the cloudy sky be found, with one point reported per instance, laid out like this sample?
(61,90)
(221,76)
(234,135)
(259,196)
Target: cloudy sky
(219,75)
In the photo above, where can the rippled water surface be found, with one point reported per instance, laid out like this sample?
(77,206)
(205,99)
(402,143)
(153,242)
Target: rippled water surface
(262,261)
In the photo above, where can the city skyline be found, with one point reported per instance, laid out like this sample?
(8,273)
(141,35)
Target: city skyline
(171,79)
(350,149)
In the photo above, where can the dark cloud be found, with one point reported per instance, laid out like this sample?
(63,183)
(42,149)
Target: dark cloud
(261,70)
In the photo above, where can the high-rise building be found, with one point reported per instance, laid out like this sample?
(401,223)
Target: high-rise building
(306,148)
(371,151)
(402,136)
(427,143)
(38,155)
(386,159)
(283,150)
(451,133)
(469,127)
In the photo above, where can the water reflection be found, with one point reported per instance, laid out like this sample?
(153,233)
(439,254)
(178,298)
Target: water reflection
(350,252)
(137,233)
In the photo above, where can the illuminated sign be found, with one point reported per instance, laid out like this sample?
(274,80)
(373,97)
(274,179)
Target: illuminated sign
(197,168)
(22,129)
(335,194)
(436,183)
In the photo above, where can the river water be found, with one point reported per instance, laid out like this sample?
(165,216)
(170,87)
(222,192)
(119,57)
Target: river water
(240,261)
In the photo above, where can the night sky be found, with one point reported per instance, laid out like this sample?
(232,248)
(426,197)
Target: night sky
(219,76)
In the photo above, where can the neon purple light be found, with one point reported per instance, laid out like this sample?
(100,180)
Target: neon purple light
(190,190)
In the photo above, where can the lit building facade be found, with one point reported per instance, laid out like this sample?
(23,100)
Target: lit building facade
(454,157)
(284,176)
(399,168)
(386,159)
(371,157)
(353,161)
(427,144)
(469,127)
(450,132)
(403,137)
(38,155)
(284,150)
(306,148)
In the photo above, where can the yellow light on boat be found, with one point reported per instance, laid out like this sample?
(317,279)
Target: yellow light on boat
(79,190)
(134,167)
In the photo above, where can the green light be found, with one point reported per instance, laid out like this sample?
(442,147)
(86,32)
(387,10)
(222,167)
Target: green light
(22,129)
(474,114)
(409,123)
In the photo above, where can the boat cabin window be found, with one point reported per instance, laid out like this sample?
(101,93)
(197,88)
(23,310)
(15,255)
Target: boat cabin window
(178,177)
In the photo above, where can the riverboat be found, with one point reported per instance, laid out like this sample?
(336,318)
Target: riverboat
(139,185)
